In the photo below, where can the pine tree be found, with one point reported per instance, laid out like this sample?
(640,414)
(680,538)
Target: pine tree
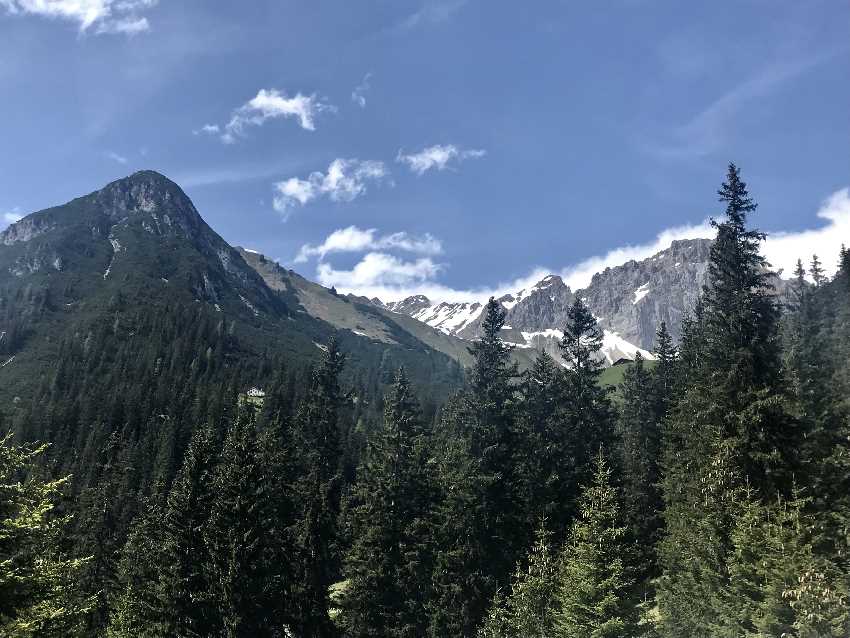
(528,610)
(247,564)
(639,433)
(781,584)
(317,491)
(388,568)
(542,460)
(479,520)
(585,410)
(594,583)
(816,272)
(139,607)
(164,589)
(37,578)
(730,426)
(666,356)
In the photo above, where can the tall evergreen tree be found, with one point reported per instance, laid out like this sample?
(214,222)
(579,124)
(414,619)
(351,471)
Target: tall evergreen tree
(731,425)
(585,410)
(247,563)
(479,520)
(543,465)
(388,568)
(528,610)
(638,427)
(317,490)
(37,578)
(594,587)
(816,271)
(164,569)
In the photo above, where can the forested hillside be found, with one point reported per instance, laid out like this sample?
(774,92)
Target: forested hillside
(709,497)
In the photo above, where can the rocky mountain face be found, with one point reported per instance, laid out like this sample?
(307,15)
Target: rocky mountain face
(630,301)
(139,248)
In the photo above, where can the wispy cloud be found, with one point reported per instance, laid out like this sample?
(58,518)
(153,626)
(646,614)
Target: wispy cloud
(115,157)
(207,129)
(268,104)
(431,12)
(354,239)
(101,16)
(345,180)
(10,217)
(437,157)
(358,95)
(708,130)
(396,279)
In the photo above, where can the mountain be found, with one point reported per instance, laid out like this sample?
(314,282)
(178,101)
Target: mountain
(629,301)
(138,250)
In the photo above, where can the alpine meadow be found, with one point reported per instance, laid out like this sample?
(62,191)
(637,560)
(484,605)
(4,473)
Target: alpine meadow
(387,418)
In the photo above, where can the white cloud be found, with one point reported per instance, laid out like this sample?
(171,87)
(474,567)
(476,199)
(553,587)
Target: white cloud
(354,239)
(437,157)
(379,270)
(115,157)
(782,249)
(105,16)
(10,217)
(207,129)
(358,95)
(579,275)
(431,12)
(271,104)
(345,180)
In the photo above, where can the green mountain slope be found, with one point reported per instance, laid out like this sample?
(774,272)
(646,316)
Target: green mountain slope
(138,246)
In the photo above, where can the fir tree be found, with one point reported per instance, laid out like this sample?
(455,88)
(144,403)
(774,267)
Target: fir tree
(247,563)
(816,271)
(730,426)
(639,433)
(528,610)
(317,491)
(666,355)
(479,521)
(585,410)
(594,584)
(388,568)
(37,578)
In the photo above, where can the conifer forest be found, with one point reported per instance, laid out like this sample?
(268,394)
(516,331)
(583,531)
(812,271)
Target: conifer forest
(156,481)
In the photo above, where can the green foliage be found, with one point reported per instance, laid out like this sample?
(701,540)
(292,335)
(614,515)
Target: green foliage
(529,609)
(388,568)
(37,578)
(593,595)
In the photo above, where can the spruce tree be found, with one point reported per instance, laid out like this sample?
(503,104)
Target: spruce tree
(246,563)
(594,583)
(528,609)
(664,376)
(479,520)
(317,492)
(639,433)
(585,412)
(37,578)
(731,425)
(543,464)
(388,568)
(816,272)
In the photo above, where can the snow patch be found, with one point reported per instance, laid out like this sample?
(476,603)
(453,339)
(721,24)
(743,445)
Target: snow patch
(640,293)
(250,306)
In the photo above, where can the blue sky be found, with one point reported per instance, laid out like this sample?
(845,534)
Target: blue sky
(448,146)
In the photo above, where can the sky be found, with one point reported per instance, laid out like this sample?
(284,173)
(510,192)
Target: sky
(453,147)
